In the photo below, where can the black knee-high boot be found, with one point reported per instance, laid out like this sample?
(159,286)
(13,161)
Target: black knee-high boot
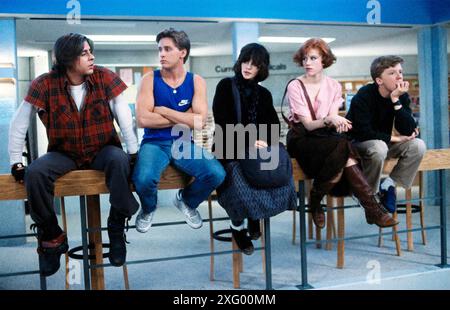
(375,213)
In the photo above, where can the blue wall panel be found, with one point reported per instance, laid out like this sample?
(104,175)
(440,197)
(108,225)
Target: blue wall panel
(348,11)
(12,213)
(440,11)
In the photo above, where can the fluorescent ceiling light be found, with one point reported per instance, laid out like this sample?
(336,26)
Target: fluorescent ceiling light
(290,39)
(122,43)
(6,65)
(122,38)
(7,81)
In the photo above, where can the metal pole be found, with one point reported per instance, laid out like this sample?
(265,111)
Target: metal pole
(42,279)
(267,252)
(443,213)
(304,263)
(87,282)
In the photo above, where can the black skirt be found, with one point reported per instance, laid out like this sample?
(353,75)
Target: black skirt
(321,154)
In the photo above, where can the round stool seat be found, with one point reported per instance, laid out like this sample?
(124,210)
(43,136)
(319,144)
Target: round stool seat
(401,208)
(91,246)
(218,235)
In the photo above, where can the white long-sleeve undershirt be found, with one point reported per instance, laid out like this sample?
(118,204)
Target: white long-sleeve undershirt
(21,121)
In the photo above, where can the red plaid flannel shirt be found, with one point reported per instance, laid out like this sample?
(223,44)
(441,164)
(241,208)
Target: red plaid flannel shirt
(78,135)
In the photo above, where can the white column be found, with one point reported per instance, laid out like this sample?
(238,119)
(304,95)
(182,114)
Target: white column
(243,33)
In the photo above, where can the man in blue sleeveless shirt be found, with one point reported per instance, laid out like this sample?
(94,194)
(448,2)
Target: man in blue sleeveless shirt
(170,100)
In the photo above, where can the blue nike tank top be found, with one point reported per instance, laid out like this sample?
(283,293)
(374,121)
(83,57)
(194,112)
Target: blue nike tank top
(179,99)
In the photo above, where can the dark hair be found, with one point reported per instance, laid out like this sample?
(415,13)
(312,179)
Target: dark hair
(258,55)
(67,49)
(180,39)
(328,57)
(382,63)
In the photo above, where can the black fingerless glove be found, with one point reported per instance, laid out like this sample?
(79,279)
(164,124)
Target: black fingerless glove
(133,158)
(18,172)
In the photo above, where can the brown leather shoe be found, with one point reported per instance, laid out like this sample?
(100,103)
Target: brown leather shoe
(377,214)
(318,191)
(318,215)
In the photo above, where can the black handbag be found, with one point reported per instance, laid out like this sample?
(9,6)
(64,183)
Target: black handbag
(263,168)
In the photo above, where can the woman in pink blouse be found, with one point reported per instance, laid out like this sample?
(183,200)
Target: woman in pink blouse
(317,136)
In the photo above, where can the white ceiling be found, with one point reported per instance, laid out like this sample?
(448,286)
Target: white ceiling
(214,38)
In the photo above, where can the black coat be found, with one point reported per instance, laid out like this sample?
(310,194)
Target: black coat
(225,113)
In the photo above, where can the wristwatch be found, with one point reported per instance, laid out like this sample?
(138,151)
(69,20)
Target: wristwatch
(397,105)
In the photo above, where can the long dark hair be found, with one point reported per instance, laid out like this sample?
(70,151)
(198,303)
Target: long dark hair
(259,56)
(67,49)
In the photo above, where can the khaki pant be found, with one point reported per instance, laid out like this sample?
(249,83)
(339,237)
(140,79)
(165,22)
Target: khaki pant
(374,152)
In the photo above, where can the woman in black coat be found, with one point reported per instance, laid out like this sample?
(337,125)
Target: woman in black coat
(240,199)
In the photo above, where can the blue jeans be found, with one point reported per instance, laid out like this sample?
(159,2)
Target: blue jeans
(155,156)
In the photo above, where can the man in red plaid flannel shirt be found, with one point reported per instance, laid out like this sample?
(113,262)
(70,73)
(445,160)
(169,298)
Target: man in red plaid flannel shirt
(77,103)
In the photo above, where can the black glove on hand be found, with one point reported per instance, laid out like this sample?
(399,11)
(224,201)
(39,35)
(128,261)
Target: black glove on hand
(133,158)
(18,172)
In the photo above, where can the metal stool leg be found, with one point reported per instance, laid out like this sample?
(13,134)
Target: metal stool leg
(263,244)
(294,226)
(267,254)
(211,240)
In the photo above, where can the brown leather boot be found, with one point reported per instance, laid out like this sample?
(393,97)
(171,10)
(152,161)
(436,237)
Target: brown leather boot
(375,213)
(318,191)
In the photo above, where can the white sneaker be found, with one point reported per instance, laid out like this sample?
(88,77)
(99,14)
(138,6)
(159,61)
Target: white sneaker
(144,221)
(193,217)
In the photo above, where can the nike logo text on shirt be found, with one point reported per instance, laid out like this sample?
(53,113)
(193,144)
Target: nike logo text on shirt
(183,102)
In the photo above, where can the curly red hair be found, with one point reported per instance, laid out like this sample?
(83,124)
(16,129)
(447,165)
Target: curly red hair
(328,57)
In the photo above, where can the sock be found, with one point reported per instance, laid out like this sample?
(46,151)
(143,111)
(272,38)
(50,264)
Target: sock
(239,228)
(386,183)
(180,195)
(180,198)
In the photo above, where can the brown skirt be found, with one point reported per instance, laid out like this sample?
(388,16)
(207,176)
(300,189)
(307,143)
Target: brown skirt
(321,154)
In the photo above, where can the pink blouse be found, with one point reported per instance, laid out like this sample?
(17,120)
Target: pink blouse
(328,100)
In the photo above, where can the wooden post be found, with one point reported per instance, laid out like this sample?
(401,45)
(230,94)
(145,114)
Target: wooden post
(95,237)
(125,276)
(396,236)
(409,235)
(341,233)
(236,265)
(422,208)
(329,245)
